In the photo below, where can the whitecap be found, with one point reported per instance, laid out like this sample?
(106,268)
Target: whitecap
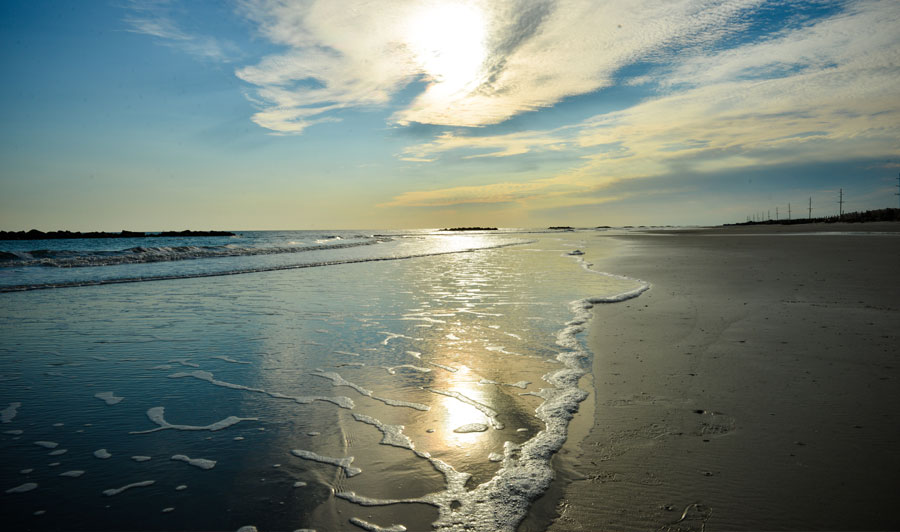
(22,488)
(156,415)
(9,413)
(108,397)
(202,463)
(116,491)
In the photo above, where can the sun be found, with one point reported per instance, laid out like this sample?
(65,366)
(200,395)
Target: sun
(448,42)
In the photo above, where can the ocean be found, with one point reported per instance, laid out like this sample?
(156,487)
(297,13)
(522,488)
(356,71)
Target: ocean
(291,380)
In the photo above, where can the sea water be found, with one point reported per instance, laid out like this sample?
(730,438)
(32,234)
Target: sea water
(292,380)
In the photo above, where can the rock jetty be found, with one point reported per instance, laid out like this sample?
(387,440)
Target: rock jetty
(34,234)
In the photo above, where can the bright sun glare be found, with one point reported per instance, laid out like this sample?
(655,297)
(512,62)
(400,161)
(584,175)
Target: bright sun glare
(448,40)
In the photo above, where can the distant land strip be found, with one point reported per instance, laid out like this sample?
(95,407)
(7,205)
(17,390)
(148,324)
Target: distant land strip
(877,215)
(470,229)
(34,234)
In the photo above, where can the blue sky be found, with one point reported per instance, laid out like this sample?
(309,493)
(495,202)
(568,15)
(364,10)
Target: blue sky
(151,115)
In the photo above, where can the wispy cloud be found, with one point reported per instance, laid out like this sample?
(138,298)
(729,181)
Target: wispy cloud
(537,191)
(825,90)
(154,18)
(489,146)
(481,61)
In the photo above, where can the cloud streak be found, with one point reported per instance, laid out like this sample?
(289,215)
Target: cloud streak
(820,91)
(481,62)
(152,17)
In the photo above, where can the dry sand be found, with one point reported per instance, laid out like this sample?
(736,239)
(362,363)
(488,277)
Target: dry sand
(756,386)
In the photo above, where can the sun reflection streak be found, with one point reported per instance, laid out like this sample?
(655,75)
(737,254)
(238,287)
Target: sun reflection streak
(459,413)
(458,242)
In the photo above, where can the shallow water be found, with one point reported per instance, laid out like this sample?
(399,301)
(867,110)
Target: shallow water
(387,391)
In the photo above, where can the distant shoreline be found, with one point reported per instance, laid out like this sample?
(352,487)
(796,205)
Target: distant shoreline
(470,229)
(34,234)
(877,215)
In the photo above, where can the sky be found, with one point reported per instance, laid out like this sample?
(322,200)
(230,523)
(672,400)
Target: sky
(344,114)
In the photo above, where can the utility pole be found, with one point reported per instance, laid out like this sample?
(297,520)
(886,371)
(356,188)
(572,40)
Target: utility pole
(898,190)
(776,213)
(789,211)
(841,204)
(810,208)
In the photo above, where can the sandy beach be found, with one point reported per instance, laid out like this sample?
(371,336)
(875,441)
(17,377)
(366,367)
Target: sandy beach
(754,387)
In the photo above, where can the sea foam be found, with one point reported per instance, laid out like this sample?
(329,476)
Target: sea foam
(337,380)
(116,491)
(343,463)
(108,397)
(156,415)
(9,413)
(343,402)
(202,463)
(500,504)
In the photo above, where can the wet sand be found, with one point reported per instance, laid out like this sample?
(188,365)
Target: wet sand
(756,386)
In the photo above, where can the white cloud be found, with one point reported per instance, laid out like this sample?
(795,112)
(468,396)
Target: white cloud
(825,91)
(483,61)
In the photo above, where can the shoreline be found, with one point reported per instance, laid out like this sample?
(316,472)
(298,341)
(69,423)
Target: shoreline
(753,387)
